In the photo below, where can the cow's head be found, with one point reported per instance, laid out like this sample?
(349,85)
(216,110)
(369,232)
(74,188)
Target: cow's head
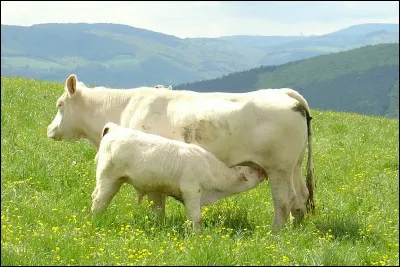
(64,126)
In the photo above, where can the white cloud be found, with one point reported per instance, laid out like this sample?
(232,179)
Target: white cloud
(207,18)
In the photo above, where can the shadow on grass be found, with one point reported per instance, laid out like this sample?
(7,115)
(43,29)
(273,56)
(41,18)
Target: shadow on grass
(343,228)
(235,219)
(346,228)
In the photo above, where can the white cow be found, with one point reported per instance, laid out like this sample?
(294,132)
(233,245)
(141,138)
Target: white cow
(152,163)
(267,129)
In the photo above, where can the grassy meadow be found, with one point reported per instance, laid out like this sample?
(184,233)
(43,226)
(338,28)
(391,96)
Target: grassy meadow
(46,191)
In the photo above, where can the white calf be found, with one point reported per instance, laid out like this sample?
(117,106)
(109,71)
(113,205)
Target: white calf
(152,163)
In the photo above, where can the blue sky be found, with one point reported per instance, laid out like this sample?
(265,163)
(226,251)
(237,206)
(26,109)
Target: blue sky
(208,18)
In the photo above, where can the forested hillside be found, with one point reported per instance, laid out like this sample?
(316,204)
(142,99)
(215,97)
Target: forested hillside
(363,80)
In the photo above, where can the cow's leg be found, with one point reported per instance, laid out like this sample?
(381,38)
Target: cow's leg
(299,206)
(105,190)
(191,199)
(158,200)
(283,194)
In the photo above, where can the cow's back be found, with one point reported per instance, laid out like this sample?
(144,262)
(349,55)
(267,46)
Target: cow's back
(233,126)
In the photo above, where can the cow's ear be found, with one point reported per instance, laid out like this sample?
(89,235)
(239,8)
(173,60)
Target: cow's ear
(71,84)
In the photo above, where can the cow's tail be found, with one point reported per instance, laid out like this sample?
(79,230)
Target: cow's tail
(310,177)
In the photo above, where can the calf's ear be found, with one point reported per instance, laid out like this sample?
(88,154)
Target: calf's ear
(243,175)
(105,131)
(71,84)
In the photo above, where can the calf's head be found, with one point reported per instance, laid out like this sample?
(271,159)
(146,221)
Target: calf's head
(249,177)
(64,126)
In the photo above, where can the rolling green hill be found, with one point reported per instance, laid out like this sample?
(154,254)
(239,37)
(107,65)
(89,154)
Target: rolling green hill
(124,56)
(363,80)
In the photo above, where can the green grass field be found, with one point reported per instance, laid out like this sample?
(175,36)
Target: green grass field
(46,191)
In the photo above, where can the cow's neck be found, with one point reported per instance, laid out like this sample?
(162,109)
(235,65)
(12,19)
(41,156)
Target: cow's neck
(98,108)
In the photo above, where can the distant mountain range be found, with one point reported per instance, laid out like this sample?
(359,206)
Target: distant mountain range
(124,56)
(363,80)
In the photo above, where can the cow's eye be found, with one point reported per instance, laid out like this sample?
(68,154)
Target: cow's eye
(59,104)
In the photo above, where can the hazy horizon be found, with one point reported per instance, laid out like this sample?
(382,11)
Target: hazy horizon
(190,19)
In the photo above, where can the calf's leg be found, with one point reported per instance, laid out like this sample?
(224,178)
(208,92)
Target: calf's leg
(106,189)
(158,200)
(191,199)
